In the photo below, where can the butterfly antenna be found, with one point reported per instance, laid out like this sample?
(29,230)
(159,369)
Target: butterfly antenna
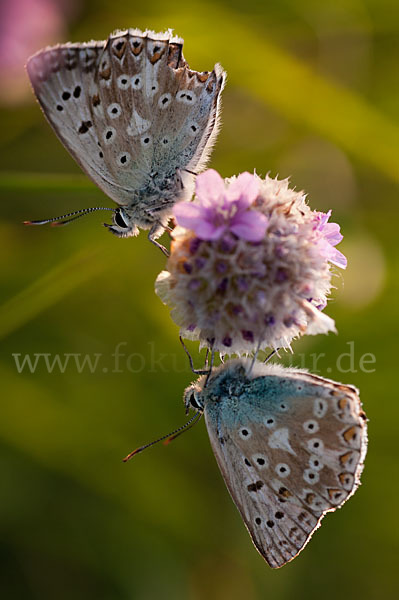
(190,358)
(193,421)
(168,437)
(68,218)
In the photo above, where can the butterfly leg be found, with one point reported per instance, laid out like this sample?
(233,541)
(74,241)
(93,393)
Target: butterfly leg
(206,358)
(269,356)
(154,231)
(190,358)
(254,358)
(210,367)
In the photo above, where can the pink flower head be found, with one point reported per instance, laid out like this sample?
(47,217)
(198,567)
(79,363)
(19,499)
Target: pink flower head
(236,296)
(220,208)
(330,237)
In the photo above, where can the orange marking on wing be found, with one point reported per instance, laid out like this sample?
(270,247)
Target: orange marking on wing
(350,434)
(334,493)
(202,77)
(344,458)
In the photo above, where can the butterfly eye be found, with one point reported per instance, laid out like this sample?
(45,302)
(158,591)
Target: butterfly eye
(119,219)
(195,403)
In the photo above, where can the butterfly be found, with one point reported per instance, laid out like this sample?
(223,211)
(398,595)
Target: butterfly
(290,446)
(135,117)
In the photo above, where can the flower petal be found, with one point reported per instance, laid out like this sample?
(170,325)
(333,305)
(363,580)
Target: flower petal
(320,219)
(162,286)
(188,214)
(243,190)
(206,230)
(337,258)
(209,188)
(198,219)
(332,233)
(324,217)
(320,304)
(318,322)
(250,225)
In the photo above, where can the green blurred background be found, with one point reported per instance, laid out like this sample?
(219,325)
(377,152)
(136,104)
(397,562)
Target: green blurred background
(312,94)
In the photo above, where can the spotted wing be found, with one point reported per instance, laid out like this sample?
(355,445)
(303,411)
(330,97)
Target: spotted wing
(165,112)
(290,449)
(63,79)
(128,107)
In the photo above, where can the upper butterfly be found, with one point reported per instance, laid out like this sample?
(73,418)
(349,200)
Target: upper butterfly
(135,117)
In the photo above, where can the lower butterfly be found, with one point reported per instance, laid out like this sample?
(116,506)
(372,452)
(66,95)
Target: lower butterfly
(135,117)
(290,446)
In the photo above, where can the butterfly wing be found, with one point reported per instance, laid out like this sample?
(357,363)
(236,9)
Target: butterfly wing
(290,447)
(165,114)
(128,108)
(63,79)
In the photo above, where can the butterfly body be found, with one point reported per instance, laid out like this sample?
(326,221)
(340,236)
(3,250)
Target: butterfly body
(134,116)
(150,207)
(290,447)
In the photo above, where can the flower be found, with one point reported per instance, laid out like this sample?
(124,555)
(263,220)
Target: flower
(250,265)
(221,209)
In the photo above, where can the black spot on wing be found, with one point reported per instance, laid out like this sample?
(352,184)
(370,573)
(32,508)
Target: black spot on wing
(254,487)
